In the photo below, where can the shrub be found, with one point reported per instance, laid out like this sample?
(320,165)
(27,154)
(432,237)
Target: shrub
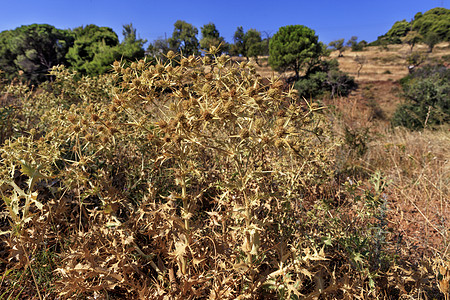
(427,94)
(326,77)
(190,179)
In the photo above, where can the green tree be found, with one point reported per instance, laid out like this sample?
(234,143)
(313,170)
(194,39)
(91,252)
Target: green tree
(132,47)
(352,42)
(93,50)
(238,48)
(337,45)
(325,77)
(398,30)
(295,48)
(211,37)
(436,20)
(34,50)
(7,57)
(431,39)
(265,43)
(412,38)
(184,38)
(253,44)
(96,48)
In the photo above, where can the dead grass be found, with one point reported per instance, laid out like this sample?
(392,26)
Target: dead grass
(383,64)
(380,61)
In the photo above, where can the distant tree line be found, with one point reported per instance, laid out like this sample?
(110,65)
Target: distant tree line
(30,51)
(430,28)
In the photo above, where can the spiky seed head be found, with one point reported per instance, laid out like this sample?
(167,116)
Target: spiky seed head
(209,76)
(281,113)
(244,133)
(228,107)
(280,132)
(225,95)
(184,62)
(162,124)
(279,143)
(206,60)
(104,139)
(171,54)
(207,116)
(89,137)
(95,117)
(176,139)
(76,128)
(206,88)
(223,59)
(72,118)
(136,83)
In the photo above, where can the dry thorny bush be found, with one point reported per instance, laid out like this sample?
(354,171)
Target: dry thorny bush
(190,179)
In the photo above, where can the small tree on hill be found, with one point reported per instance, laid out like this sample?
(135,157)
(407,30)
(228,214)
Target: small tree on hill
(33,50)
(352,42)
(431,39)
(412,38)
(132,47)
(295,48)
(337,45)
(361,61)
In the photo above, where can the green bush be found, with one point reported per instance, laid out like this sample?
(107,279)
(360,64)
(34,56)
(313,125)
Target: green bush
(427,94)
(325,78)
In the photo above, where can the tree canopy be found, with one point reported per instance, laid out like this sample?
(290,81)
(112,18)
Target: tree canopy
(92,51)
(295,48)
(337,45)
(253,44)
(211,37)
(33,50)
(435,22)
(248,44)
(184,38)
(96,48)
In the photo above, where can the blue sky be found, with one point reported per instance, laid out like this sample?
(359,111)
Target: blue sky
(331,19)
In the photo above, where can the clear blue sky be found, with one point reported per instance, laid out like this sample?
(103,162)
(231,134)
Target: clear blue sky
(331,19)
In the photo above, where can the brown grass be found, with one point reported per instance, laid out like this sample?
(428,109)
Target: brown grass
(381,61)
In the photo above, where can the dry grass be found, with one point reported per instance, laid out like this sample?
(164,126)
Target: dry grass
(381,62)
